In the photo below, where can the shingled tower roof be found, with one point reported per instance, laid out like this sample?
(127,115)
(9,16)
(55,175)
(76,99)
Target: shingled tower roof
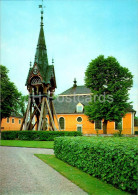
(41,61)
(41,52)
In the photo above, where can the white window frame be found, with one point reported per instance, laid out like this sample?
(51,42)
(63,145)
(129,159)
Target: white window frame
(9,120)
(79,125)
(59,122)
(14,121)
(78,117)
(78,106)
(114,125)
(19,122)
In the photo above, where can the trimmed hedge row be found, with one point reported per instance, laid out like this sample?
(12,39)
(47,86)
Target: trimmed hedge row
(36,135)
(112,160)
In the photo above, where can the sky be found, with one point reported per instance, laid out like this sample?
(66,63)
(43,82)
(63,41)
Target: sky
(76,31)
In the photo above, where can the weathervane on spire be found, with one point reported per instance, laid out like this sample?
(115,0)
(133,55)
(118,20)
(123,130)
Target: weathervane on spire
(52,61)
(42,11)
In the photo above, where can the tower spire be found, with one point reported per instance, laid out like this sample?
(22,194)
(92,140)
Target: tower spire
(41,57)
(44,70)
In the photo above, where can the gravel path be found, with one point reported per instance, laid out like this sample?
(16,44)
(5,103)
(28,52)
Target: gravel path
(21,173)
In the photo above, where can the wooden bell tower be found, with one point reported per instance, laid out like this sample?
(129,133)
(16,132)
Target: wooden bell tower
(41,84)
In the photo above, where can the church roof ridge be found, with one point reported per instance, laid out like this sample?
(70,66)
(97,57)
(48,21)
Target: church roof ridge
(80,90)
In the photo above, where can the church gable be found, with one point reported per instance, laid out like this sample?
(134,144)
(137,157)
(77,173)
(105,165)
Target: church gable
(34,75)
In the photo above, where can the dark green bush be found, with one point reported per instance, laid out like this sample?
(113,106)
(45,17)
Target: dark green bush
(112,160)
(136,132)
(28,135)
(9,135)
(117,134)
(37,135)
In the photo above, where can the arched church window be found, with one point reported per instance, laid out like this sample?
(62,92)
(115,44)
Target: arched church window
(62,123)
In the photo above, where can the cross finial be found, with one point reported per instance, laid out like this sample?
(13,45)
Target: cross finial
(52,61)
(75,83)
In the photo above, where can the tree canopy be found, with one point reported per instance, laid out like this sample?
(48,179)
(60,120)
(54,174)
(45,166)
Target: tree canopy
(109,83)
(10,96)
(22,104)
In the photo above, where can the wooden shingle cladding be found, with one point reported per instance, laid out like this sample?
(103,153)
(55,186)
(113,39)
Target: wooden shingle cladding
(45,71)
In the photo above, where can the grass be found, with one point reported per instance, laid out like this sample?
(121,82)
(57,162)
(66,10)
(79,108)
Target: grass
(29,144)
(88,183)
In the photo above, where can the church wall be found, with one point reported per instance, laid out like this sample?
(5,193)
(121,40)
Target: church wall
(11,126)
(89,128)
(127,123)
(71,124)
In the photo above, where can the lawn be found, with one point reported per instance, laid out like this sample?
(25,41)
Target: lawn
(29,144)
(88,183)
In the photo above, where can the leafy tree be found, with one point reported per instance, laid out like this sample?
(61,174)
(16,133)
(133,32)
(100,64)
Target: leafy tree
(10,96)
(22,103)
(109,83)
(136,121)
(136,117)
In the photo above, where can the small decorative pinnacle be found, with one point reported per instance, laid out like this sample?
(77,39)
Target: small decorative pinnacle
(35,58)
(52,61)
(41,18)
(75,83)
(30,64)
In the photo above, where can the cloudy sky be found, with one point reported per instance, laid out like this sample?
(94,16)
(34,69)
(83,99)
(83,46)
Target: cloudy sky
(76,31)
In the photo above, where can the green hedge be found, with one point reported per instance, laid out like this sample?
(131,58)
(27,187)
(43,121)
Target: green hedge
(37,135)
(112,160)
(9,135)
